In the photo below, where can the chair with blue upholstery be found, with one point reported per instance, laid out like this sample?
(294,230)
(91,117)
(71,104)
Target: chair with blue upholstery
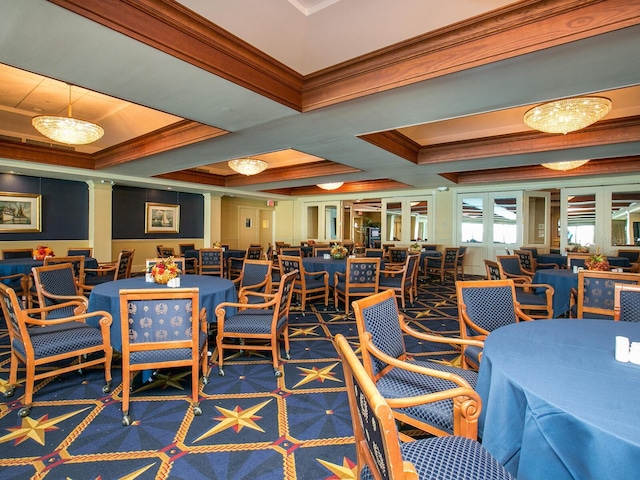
(57,284)
(626,302)
(379,451)
(402,281)
(234,264)
(309,285)
(255,277)
(83,251)
(596,292)
(361,278)
(10,253)
(63,345)
(396,257)
(260,323)
(162,328)
(634,260)
(319,251)
(512,268)
(211,262)
(483,306)
(190,263)
(109,271)
(374,252)
(528,261)
(434,397)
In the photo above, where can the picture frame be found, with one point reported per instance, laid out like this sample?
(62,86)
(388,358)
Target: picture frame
(20,212)
(161,218)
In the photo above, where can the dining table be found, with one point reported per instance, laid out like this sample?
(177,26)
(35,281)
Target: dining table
(556,404)
(331,265)
(562,280)
(561,260)
(212,291)
(15,266)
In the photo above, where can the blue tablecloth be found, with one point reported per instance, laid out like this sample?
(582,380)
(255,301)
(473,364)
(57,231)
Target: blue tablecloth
(562,281)
(555,402)
(561,260)
(24,265)
(330,265)
(213,291)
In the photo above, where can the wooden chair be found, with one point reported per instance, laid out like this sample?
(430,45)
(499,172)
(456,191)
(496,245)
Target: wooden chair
(381,454)
(431,396)
(396,257)
(596,290)
(484,306)
(191,263)
(21,285)
(211,262)
(308,285)
(534,298)
(321,251)
(84,251)
(9,253)
(164,252)
(257,322)
(56,283)
(512,268)
(634,260)
(374,253)
(528,262)
(361,279)
(403,281)
(255,277)
(107,272)
(626,302)
(165,329)
(234,265)
(451,262)
(63,345)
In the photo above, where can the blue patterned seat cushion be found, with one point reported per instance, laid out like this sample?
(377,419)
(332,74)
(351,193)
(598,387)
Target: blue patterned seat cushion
(168,354)
(60,338)
(450,458)
(394,281)
(255,322)
(312,282)
(473,353)
(402,383)
(340,286)
(528,298)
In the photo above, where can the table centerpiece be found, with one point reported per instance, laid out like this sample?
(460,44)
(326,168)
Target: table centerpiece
(339,252)
(597,262)
(41,252)
(164,270)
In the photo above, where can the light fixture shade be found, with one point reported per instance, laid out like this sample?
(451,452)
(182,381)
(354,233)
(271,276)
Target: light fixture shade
(568,115)
(564,166)
(330,186)
(67,129)
(247,166)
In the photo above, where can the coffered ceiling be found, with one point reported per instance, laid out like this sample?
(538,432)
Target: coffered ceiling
(382,95)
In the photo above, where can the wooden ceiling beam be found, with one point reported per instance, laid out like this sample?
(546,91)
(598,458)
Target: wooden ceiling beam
(307,170)
(46,155)
(350,187)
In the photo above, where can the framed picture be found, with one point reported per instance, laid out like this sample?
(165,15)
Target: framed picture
(247,223)
(20,212)
(161,218)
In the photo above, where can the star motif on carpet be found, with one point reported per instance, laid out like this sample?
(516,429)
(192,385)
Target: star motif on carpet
(35,429)
(338,316)
(442,303)
(298,332)
(346,471)
(165,381)
(424,313)
(235,419)
(319,374)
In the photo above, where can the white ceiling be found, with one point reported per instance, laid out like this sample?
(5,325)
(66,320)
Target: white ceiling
(40,37)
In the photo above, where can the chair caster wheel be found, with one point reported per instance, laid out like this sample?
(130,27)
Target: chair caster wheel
(197,411)
(205,380)
(126,420)
(221,373)
(277,373)
(24,412)
(8,393)
(287,355)
(106,388)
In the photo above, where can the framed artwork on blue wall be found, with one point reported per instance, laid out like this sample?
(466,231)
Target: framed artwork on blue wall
(20,212)
(161,218)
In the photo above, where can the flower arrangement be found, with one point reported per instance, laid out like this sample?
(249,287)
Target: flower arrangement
(164,270)
(580,249)
(42,251)
(217,244)
(338,251)
(597,262)
(415,247)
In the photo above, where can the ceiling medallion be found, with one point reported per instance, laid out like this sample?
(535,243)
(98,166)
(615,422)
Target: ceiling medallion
(564,166)
(68,130)
(330,186)
(568,115)
(247,166)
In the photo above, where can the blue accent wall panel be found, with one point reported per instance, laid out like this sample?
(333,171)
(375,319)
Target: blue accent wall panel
(129,212)
(65,207)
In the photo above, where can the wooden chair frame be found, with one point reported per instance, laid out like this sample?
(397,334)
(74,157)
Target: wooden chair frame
(613,277)
(619,288)
(352,289)
(301,288)
(17,253)
(244,289)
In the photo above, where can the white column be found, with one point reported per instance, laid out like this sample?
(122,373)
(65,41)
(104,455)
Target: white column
(100,212)
(212,219)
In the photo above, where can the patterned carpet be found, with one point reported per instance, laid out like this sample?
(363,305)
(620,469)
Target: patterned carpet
(254,425)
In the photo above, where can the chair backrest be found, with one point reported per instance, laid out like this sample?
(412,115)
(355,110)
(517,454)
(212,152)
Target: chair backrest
(387,246)
(10,253)
(533,250)
(321,251)
(450,256)
(626,302)
(165,252)
(12,310)
(362,273)
(161,327)
(186,246)
(378,315)
(125,261)
(284,295)
(76,261)
(397,255)
(596,292)
(527,262)
(84,251)
(429,246)
(254,253)
(289,263)
(256,276)
(462,251)
(374,253)
(510,264)
(290,252)
(576,259)
(55,281)
(632,255)
(493,270)
(485,305)
(211,261)
(158,253)
(374,427)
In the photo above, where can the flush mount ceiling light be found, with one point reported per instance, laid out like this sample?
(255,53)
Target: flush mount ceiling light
(564,166)
(330,186)
(68,130)
(568,115)
(247,166)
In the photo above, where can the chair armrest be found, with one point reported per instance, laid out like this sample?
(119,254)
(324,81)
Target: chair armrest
(317,274)
(547,265)
(106,319)
(220,309)
(437,338)
(77,298)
